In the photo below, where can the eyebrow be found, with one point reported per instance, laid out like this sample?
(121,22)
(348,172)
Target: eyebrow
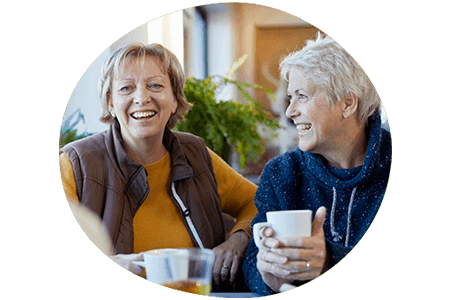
(297,91)
(146,79)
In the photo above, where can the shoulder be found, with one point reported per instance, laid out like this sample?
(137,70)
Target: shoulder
(189,138)
(192,149)
(93,141)
(283,168)
(93,145)
(191,144)
(282,172)
(386,137)
(278,186)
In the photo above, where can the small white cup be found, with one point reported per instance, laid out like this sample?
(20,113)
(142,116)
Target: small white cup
(159,264)
(285,223)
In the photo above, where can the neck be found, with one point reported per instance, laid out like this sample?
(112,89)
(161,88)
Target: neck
(146,152)
(351,150)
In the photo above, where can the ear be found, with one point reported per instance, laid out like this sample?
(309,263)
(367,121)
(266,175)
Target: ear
(349,106)
(174,105)
(110,105)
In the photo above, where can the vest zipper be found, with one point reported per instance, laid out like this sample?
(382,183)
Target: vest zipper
(187,217)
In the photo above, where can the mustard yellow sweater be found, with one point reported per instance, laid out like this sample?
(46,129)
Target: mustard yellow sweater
(158,223)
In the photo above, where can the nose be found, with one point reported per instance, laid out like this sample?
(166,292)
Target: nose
(292,110)
(142,95)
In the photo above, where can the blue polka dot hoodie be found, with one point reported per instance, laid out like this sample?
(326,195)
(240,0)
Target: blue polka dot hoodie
(302,180)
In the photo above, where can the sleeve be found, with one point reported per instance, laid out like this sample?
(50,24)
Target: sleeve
(265,200)
(68,178)
(236,194)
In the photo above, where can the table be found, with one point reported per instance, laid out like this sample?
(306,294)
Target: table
(234,295)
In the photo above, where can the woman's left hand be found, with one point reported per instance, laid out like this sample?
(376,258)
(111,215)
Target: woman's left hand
(306,256)
(228,256)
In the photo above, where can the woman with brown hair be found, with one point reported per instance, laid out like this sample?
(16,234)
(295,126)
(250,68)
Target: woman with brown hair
(152,187)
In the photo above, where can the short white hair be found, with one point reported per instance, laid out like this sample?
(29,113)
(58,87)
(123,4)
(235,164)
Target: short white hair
(332,70)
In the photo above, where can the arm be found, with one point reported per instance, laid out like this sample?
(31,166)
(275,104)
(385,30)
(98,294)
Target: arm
(265,200)
(236,194)
(236,199)
(68,179)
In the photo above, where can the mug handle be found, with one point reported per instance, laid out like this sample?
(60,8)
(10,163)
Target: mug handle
(256,228)
(139,263)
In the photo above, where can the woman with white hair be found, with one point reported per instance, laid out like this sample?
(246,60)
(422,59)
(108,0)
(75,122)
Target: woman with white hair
(339,171)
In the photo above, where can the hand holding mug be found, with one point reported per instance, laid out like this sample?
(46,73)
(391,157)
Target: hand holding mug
(284,223)
(292,258)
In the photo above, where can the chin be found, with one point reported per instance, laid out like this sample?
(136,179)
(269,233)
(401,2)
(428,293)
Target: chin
(306,147)
(303,148)
(143,135)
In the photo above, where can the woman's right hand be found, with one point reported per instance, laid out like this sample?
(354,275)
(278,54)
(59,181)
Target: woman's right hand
(126,261)
(288,257)
(266,262)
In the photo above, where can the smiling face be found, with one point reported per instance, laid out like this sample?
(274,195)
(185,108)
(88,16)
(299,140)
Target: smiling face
(319,125)
(142,100)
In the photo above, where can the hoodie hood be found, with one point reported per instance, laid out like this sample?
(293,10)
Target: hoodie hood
(376,164)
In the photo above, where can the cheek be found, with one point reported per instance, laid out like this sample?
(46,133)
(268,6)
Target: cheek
(121,107)
(321,114)
(323,128)
(327,127)
(169,102)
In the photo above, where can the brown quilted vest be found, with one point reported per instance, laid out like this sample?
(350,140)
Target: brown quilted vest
(114,187)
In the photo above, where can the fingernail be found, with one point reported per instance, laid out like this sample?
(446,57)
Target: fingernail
(322,210)
(282,259)
(271,243)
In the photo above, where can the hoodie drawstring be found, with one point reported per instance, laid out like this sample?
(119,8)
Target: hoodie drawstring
(337,236)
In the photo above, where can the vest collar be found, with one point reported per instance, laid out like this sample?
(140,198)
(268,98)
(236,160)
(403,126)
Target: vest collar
(128,168)
(180,167)
(116,151)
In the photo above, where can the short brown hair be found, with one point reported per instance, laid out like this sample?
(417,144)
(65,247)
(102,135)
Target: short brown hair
(171,67)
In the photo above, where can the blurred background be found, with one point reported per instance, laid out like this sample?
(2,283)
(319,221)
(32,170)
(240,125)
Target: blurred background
(209,41)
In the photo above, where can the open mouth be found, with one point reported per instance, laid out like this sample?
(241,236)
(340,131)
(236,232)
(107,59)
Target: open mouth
(143,115)
(303,128)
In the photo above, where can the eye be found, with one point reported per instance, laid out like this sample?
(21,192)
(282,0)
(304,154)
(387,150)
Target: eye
(125,89)
(302,97)
(154,86)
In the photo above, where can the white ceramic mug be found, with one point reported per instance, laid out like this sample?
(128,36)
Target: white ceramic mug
(158,264)
(285,223)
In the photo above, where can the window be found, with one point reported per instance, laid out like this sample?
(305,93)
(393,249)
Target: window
(195,63)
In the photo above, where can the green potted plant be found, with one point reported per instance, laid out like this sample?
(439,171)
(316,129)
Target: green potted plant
(227,126)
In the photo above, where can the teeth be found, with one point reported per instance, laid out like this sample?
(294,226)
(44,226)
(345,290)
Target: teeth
(303,127)
(146,114)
